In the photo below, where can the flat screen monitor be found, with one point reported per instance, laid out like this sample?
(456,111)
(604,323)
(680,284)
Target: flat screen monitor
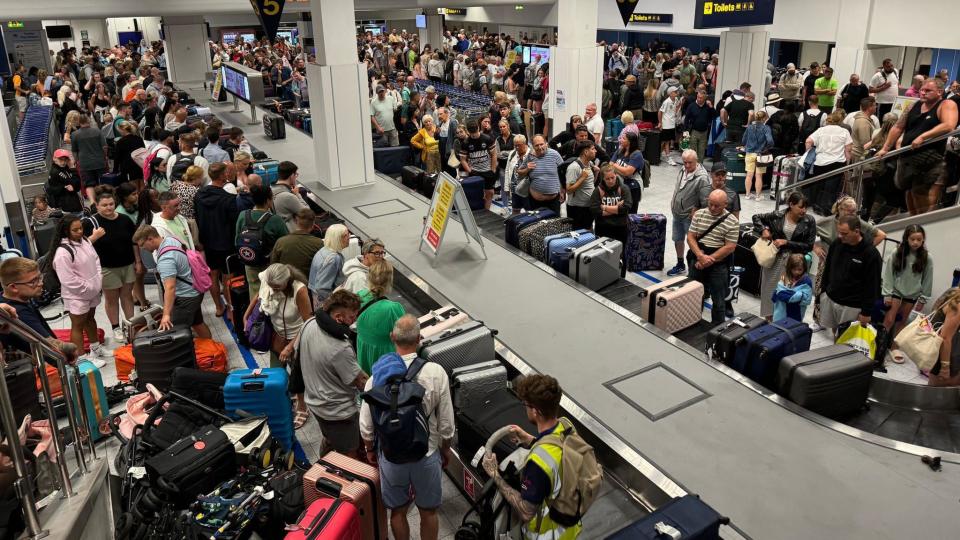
(130,37)
(712,14)
(59,32)
(421,21)
(236,83)
(530,50)
(290,36)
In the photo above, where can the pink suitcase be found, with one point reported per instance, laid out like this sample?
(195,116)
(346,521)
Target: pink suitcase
(673,304)
(441,319)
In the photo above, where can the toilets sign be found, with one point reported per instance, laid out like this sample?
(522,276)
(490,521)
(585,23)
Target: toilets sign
(710,14)
(269,13)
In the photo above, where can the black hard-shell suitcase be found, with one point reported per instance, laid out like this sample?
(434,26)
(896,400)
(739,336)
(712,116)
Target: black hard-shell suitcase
(428,184)
(411,176)
(722,339)
(832,381)
(475,424)
(203,386)
(464,345)
(274,127)
(156,354)
(651,148)
(470,385)
(22,385)
(743,256)
(193,465)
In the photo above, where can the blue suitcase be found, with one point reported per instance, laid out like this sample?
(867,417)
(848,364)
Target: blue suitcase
(111,179)
(97,408)
(646,241)
(262,392)
(514,224)
(558,249)
(269,170)
(390,160)
(759,354)
(473,189)
(692,518)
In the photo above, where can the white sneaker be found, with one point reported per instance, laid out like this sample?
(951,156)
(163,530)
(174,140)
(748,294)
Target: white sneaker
(815,327)
(93,359)
(672,162)
(98,350)
(118,337)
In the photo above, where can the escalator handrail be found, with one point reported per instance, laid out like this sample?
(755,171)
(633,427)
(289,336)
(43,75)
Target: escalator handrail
(21,330)
(890,154)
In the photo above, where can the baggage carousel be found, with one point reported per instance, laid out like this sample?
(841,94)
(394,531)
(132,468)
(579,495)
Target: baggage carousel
(685,424)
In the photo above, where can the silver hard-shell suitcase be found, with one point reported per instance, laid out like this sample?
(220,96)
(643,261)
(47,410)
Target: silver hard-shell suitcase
(472,384)
(597,264)
(832,381)
(464,345)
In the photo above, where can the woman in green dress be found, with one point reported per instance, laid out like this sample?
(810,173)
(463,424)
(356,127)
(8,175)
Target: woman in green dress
(377,316)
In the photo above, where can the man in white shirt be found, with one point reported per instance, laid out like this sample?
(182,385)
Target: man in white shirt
(382,108)
(667,123)
(593,122)
(423,475)
(885,84)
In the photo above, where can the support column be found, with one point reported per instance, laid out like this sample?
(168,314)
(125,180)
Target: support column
(187,48)
(433,33)
(576,63)
(743,58)
(339,100)
(850,53)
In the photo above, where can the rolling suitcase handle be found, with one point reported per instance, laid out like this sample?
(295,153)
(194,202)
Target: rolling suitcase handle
(329,487)
(450,333)
(320,520)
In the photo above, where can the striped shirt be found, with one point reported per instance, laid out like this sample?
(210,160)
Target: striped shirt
(727,231)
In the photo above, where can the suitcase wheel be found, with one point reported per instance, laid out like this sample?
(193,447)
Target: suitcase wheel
(261,456)
(284,460)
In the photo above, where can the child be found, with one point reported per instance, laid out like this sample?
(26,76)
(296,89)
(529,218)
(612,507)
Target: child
(907,281)
(41,211)
(794,290)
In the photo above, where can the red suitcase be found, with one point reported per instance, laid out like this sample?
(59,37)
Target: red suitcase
(329,519)
(336,475)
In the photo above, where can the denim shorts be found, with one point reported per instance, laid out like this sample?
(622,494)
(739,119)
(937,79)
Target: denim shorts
(681,226)
(396,480)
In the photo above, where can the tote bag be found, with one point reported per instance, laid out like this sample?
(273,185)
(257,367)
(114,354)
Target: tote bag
(765,252)
(259,330)
(921,342)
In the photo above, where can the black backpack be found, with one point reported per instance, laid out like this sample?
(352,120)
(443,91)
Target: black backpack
(398,418)
(253,246)
(810,124)
(51,282)
(180,165)
(562,168)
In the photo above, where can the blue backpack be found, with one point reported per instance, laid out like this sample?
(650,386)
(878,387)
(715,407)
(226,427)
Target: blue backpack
(396,405)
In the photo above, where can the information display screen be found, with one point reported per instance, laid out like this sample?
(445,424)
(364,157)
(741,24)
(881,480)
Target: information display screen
(530,50)
(421,21)
(724,14)
(236,83)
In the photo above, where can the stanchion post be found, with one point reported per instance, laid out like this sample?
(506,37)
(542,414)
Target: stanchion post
(66,486)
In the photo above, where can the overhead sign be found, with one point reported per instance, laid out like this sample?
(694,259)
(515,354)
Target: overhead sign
(451,11)
(651,18)
(711,14)
(269,13)
(448,197)
(14,24)
(626,8)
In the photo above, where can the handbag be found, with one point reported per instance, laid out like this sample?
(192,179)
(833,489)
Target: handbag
(452,161)
(921,342)
(523,187)
(765,158)
(765,252)
(259,330)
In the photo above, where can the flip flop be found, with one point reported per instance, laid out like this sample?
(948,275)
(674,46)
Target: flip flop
(898,357)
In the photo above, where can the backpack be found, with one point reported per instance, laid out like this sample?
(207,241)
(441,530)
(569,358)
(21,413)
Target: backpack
(180,165)
(562,169)
(579,462)
(151,155)
(51,282)
(198,268)
(253,246)
(810,124)
(396,403)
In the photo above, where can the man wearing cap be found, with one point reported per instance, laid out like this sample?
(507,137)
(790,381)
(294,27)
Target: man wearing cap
(718,180)
(382,108)
(790,84)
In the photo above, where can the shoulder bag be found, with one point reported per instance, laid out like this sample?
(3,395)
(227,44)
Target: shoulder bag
(765,252)
(921,341)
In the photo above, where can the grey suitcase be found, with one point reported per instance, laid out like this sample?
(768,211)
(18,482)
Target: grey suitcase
(597,264)
(471,385)
(832,381)
(464,345)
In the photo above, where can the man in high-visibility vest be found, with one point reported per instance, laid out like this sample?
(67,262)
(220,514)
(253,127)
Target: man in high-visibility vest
(541,471)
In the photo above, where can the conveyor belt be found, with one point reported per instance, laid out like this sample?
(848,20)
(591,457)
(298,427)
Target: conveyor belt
(939,430)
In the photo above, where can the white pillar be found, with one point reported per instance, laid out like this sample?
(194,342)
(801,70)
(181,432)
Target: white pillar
(339,100)
(576,63)
(849,54)
(187,49)
(743,58)
(433,33)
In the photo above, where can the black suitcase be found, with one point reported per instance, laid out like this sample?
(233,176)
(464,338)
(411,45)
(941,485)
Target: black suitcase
(833,381)
(193,465)
(411,176)
(743,256)
(722,339)
(203,386)
(428,184)
(156,354)
(478,421)
(651,146)
(21,383)
(274,127)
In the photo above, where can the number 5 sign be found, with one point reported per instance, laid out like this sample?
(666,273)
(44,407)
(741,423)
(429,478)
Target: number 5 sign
(269,12)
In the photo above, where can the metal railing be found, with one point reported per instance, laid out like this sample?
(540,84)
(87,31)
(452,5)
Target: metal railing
(41,351)
(856,168)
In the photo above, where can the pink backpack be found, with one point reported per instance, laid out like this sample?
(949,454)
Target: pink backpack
(198,268)
(146,162)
